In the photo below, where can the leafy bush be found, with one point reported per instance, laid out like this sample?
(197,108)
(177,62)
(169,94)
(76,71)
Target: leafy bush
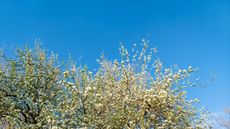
(136,92)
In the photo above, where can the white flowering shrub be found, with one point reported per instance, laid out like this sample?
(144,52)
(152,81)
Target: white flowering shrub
(135,92)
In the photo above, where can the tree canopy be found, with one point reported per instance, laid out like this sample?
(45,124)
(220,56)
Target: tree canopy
(36,91)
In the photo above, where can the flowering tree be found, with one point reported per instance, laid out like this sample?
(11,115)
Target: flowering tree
(135,92)
(29,91)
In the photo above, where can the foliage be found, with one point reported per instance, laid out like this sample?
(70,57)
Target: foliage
(136,92)
(28,88)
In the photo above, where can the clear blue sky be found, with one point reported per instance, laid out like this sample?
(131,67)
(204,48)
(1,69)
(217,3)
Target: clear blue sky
(186,32)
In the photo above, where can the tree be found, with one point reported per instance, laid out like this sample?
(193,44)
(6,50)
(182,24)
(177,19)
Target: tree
(29,88)
(135,92)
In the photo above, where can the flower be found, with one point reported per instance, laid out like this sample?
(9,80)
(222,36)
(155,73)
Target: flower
(73,69)
(66,74)
(42,56)
(99,105)
(163,94)
(155,50)
(88,89)
(49,120)
(98,95)
(54,127)
(169,80)
(180,108)
(190,69)
(176,76)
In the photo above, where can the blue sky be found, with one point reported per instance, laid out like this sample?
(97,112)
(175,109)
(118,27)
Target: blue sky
(191,32)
